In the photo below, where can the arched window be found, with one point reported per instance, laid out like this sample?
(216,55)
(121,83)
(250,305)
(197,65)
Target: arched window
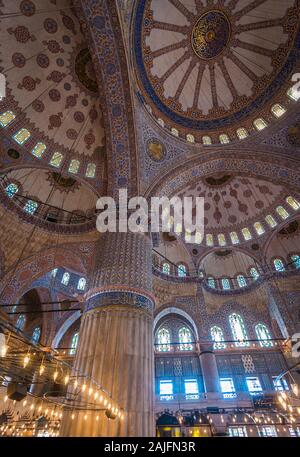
(278,110)
(6,118)
(271,221)
(263,335)
(185,339)
(74,166)
(56,159)
(259,228)
(218,337)
(238,330)
(11,189)
(241,281)
(293,203)
(30,207)
(206,140)
(201,274)
(36,335)
(181,270)
(222,239)
(81,284)
(211,282)
(161,122)
(234,238)
(294,93)
(38,150)
(282,212)
(260,124)
(254,273)
(66,278)
(22,136)
(296,260)
(278,264)
(190,138)
(246,234)
(209,239)
(74,343)
(224,138)
(90,170)
(242,133)
(174,131)
(20,322)
(166,268)
(53,272)
(225,283)
(164,340)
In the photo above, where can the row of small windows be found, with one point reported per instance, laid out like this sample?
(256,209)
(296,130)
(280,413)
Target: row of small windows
(280,266)
(30,206)
(259,124)
(258,226)
(239,334)
(226,283)
(181,269)
(66,279)
(23,135)
(191,387)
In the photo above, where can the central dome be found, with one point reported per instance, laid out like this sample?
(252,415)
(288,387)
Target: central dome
(210,34)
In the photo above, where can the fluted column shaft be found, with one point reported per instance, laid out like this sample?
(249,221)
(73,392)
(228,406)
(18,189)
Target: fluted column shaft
(115,340)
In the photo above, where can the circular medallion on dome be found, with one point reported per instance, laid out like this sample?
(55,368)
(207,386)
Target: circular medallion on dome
(155,150)
(210,34)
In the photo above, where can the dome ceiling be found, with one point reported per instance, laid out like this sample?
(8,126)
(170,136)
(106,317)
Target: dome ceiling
(207,65)
(51,85)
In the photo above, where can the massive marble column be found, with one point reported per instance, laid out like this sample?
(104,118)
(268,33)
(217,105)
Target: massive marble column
(115,340)
(209,371)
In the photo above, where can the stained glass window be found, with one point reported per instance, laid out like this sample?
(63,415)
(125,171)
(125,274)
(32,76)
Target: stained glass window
(20,322)
(221,239)
(224,138)
(278,264)
(74,343)
(206,140)
(53,272)
(238,330)
(241,280)
(260,124)
(90,170)
(240,432)
(74,166)
(11,189)
(242,133)
(164,340)
(38,150)
(280,384)
(209,239)
(6,118)
(181,270)
(234,238)
(225,283)
(81,284)
(246,233)
(30,207)
(56,159)
(166,268)
(185,339)
(259,228)
(293,203)
(191,389)
(227,387)
(271,221)
(22,136)
(161,122)
(174,131)
(36,335)
(254,273)
(254,385)
(211,282)
(296,260)
(263,335)
(282,212)
(166,389)
(278,110)
(66,278)
(218,337)
(190,138)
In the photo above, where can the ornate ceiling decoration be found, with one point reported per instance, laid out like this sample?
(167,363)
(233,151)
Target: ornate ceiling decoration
(206,66)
